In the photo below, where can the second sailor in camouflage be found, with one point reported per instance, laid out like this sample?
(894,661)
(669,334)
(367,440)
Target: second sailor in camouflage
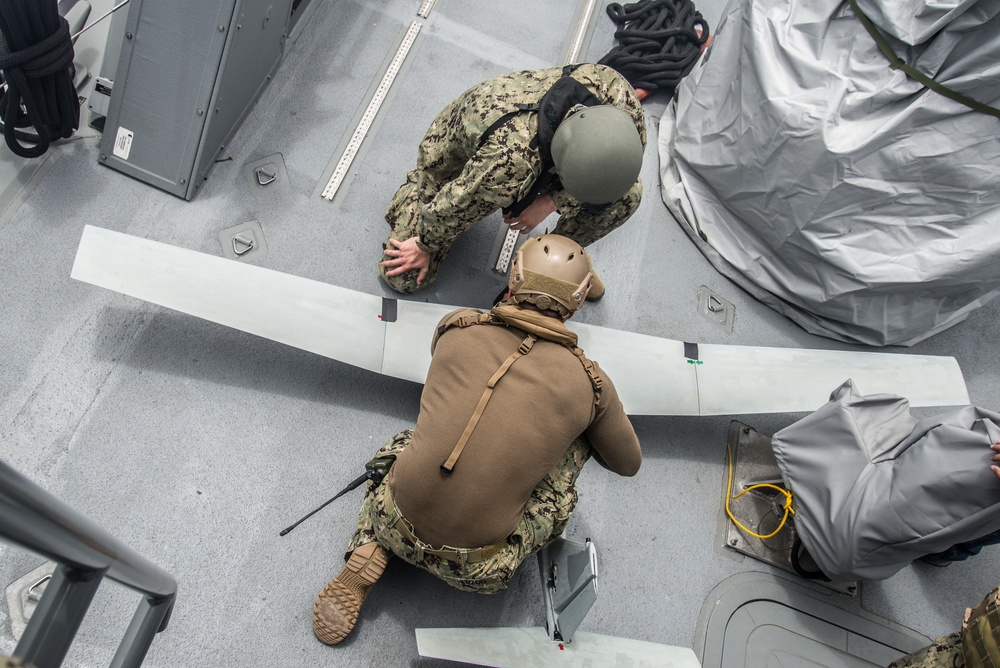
(460,179)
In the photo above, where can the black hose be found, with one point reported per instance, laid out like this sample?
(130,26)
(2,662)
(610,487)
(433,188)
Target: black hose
(659,42)
(36,58)
(798,552)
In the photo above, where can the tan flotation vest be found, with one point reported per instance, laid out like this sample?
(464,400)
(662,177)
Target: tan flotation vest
(538,326)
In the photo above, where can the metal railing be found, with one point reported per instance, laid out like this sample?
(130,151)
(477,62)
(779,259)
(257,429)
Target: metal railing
(33,519)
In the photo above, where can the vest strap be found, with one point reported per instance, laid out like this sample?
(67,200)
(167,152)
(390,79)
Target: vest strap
(595,378)
(522,350)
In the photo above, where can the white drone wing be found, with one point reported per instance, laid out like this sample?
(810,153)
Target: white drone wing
(654,376)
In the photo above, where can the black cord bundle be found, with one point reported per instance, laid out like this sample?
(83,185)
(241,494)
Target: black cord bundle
(658,42)
(36,57)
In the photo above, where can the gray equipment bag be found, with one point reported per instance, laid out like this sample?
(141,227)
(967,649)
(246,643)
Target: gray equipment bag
(874,488)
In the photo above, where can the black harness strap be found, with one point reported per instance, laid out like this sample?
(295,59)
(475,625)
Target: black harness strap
(521,108)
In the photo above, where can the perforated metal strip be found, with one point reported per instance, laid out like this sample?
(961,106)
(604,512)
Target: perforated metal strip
(425,8)
(581,31)
(378,97)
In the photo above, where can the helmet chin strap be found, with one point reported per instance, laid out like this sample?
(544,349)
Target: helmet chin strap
(580,294)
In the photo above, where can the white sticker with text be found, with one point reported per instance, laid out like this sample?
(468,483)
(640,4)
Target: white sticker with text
(123,143)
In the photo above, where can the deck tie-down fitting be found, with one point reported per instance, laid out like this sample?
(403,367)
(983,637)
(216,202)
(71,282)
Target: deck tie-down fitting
(266,177)
(242,245)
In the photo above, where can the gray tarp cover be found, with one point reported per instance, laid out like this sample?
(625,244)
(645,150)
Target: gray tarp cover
(874,488)
(838,191)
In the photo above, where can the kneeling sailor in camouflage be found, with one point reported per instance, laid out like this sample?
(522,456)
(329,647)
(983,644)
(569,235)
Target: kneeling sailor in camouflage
(510,412)
(530,143)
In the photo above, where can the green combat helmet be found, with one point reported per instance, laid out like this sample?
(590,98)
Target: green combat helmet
(597,153)
(553,273)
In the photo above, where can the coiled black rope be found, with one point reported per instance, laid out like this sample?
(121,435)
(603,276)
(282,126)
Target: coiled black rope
(659,42)
(36,58)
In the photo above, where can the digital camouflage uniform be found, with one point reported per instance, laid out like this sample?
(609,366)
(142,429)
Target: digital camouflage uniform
(456,183)
(945,652)
(977,645)
(545,518)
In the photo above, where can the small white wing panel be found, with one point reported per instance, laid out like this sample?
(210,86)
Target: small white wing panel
(746,379)
(531,647)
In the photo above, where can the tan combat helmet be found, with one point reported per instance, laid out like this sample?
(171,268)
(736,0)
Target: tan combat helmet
(597,153)
(553,273)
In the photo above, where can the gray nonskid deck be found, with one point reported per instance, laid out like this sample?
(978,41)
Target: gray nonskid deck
(196,444)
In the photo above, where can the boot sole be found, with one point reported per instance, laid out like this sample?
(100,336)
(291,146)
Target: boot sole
(339,603)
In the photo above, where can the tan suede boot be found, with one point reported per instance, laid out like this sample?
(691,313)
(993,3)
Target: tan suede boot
(337,607)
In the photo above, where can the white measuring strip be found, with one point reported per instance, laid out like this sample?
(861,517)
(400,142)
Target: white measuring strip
(581,30)
(369,116)
(506,251)
(425,9)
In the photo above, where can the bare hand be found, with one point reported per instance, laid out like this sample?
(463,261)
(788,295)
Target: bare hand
(406,256)
(996,458)
(535,213)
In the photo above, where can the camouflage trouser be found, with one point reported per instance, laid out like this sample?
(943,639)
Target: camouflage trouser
(403,216)
(945,652)
(544,518)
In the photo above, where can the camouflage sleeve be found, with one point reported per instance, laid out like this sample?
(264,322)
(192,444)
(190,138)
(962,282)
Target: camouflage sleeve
(495,177)
(628,101)
(945,652)
(563,201)
(585,224)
